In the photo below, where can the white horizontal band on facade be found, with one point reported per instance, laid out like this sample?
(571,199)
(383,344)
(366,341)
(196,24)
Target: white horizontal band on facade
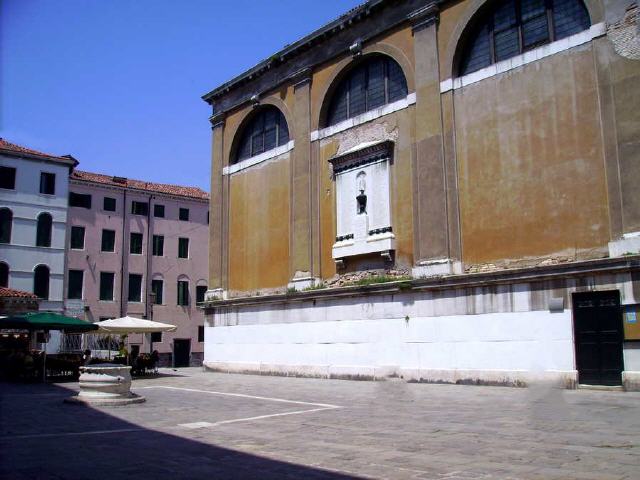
(583,37)
(250,162)
(12,202)
(364,117)
(32,247)
(29,273)
(35,219)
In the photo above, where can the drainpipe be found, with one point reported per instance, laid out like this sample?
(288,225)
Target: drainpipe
(122,253)
(148,260)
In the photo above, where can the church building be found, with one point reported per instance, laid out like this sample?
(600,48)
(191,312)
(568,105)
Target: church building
(442,191)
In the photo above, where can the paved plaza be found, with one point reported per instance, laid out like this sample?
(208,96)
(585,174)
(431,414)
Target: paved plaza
(216,426)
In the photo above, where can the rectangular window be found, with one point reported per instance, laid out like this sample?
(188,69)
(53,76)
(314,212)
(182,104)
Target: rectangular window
(109,204)
(184,214)
(108,240)
(79,200)
(8,178)
(183,292)
(135,287)
(135,243)
(47,183)
(74,290)
(140,208)
(156,337)
(201,333)
(156,289)
(158,245)
(106,286)
(200,291)
(158,211)
(183,248)
(77,238)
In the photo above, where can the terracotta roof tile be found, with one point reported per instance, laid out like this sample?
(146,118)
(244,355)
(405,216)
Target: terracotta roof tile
(12,147)
(10,292)
(168,189)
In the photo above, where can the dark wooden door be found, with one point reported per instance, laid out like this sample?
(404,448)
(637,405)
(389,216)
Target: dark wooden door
(597,323)
(181,352)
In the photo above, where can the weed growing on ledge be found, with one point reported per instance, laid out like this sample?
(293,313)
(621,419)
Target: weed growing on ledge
(318,286)
(380,279)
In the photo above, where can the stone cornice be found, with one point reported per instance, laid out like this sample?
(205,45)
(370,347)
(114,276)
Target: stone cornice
(217,120)
(362,156)
(424,17)
(361,24)
(468,280)
(301,78)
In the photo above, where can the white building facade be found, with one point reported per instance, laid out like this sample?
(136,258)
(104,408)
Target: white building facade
(34,188)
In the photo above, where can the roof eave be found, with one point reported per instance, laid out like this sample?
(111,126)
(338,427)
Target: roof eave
(292,49)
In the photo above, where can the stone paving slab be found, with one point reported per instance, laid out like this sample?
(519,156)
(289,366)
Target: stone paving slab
(208,425)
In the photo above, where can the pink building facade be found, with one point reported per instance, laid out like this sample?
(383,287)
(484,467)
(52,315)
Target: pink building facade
(139,249)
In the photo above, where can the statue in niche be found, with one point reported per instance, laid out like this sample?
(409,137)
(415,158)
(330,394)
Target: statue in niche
(361,199)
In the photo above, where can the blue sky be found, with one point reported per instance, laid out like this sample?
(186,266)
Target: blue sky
(117,83)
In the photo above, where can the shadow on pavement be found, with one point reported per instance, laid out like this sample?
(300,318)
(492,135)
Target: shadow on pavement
(43,438)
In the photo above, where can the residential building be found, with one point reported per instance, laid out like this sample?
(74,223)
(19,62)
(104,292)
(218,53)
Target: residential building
(483,154)
(140,249)
(34,187)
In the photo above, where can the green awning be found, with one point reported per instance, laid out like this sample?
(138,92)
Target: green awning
(46,321)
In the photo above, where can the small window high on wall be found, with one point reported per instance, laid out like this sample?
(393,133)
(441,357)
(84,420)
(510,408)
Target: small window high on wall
(511,27)
(265,131)
(369,85)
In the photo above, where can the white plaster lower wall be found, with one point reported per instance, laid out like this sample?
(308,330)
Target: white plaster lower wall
(493,347)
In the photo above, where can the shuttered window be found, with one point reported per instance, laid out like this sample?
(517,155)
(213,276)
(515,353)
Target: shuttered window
(267,130)
(41,282)
(183,292)
(43,230)
(370,85)
(74,287)
(512,27)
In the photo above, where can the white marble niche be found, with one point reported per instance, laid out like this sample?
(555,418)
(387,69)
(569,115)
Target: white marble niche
(363,209)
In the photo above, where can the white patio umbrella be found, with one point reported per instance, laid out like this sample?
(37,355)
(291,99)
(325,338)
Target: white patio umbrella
(128,324)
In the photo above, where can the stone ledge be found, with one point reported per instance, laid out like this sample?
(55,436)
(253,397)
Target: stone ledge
(466,280)
(508,378)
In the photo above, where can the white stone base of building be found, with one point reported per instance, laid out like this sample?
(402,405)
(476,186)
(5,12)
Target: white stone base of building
(495,329)
(506,349)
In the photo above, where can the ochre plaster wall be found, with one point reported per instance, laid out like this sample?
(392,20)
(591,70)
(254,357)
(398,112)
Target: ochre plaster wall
(259,226)
(530,166)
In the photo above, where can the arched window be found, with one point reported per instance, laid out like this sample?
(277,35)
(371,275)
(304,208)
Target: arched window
(4,274)
(371,84)
(511,27)
(266,130)
(41,281)
(6,219)
(43,230)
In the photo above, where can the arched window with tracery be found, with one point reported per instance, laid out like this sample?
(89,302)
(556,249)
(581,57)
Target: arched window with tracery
(510,27)
(41,281)
(6,220)
(265,130)
(4,275)
(43,230)
(376,81)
